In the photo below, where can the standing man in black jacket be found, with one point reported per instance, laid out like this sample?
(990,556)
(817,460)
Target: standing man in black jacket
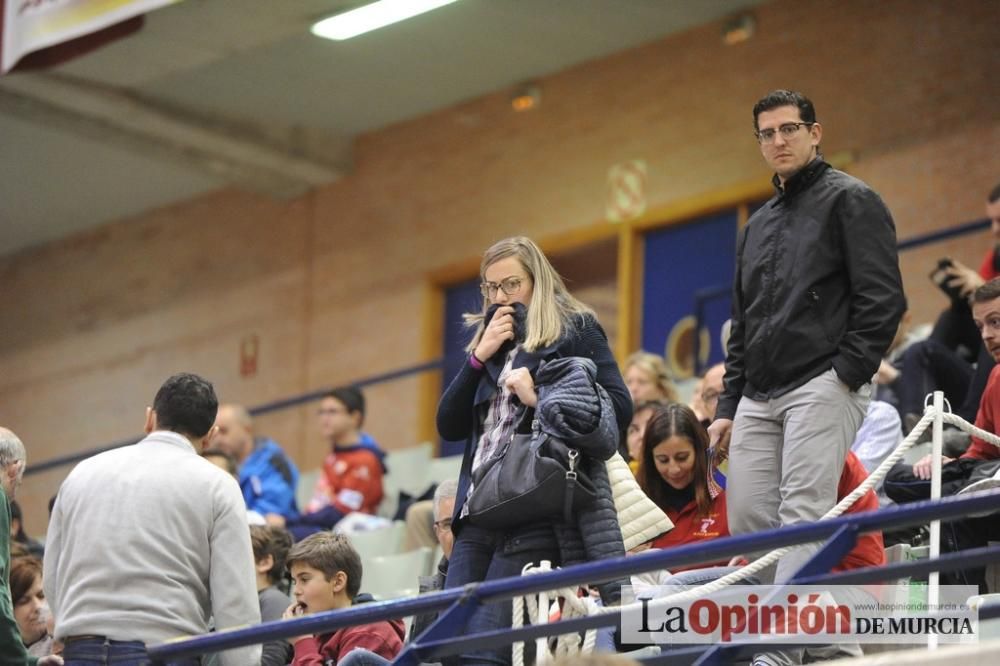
(816,301)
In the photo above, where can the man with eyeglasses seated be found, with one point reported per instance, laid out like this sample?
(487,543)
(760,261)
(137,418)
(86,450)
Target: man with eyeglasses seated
(444,507)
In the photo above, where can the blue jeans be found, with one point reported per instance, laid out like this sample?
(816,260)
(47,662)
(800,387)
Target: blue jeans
(362,657)
(105,652)
(482,555)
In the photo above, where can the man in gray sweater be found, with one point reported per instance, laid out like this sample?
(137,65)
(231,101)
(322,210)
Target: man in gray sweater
(149,542)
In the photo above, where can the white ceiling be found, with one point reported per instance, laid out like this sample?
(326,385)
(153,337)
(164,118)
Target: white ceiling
(250,72)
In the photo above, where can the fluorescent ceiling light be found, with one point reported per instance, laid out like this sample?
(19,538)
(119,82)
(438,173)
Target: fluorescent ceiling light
(373,16)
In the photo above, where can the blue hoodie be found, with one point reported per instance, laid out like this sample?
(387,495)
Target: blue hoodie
(268,479)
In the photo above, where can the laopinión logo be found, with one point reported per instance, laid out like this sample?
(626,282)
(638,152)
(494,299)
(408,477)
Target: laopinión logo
(799,614)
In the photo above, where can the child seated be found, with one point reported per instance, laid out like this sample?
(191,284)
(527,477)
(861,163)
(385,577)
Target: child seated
(326,574)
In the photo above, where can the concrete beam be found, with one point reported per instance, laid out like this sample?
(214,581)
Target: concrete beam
(281,162)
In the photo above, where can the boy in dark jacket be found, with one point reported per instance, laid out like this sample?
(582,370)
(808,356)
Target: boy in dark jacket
(326,571)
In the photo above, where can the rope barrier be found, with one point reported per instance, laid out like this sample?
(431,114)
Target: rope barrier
(575,607)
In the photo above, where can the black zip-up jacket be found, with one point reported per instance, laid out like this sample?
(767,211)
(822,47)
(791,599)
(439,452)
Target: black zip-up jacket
(817,285)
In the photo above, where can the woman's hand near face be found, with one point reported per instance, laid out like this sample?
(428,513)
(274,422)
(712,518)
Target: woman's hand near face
(520,382)
(498,331)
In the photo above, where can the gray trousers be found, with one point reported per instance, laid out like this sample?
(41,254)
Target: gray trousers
(786,457)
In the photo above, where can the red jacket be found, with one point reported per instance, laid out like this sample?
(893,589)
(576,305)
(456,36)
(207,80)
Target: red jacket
(383,638)
(986,419)
(351,481)
(689,527)
(869,551)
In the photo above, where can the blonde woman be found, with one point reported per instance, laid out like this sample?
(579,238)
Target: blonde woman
(527,317)
(647,379)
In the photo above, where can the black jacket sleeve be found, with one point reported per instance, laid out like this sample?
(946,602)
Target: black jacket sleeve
(455,413)
(868,237)
(734,379)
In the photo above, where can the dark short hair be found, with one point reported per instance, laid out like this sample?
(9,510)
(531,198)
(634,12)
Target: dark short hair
(351,397)
(186,404)
(987,292)
(777,98)
(329,553)
(273,541)
(994,194)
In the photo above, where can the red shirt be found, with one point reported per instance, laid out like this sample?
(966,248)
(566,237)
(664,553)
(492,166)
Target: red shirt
(689,527)
(986,419)
(383,638)
(869,551)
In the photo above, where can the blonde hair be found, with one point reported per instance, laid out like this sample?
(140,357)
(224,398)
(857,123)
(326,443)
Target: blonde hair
(552,306)
(654,366)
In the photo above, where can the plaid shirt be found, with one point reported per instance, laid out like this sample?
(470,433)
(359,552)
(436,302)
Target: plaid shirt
(499,424)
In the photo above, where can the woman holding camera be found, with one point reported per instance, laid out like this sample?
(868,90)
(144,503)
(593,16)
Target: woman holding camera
(527,318)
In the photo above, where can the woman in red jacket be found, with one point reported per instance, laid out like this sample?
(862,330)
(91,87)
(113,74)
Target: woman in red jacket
(673,472)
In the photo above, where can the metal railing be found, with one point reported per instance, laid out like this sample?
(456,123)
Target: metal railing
(445,636)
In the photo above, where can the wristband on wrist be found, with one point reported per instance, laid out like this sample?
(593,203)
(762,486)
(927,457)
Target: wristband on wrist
(475,362)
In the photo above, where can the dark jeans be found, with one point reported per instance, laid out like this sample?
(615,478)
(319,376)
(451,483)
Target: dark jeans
(104,652)
(930,366)
(481,555)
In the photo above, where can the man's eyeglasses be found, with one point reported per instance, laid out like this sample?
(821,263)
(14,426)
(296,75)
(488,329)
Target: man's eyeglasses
(787,130)
(993,323)
(442,525)
(511,286)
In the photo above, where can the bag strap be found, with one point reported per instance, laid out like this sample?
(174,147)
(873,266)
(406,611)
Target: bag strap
(574,456)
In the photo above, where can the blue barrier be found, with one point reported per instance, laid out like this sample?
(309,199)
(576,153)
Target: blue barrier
(440,639)
(267,407)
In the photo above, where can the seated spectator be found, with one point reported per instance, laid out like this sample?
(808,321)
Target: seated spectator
(351,478)
(326,574)
(17,533)
(267,476)
(270,550)
(906,483)
(30,609)
(879,435)
(647,378)
(708,392)
(444,507)
(674,472)
(636,431)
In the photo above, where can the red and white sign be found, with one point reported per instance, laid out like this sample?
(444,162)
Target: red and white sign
(626,191)
(30,25)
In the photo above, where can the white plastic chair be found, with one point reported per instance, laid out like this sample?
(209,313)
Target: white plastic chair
(394,576)
(384,541)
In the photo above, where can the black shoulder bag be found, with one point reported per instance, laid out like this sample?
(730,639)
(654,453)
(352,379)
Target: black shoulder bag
(535,476)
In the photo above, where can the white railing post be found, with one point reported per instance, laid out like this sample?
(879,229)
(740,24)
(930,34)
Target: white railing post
(935,544)
(542,643)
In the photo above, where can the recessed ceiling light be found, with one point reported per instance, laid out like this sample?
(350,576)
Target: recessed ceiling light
(372,17)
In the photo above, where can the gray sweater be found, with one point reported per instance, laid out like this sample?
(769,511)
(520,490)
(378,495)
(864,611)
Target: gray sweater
(148,542)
